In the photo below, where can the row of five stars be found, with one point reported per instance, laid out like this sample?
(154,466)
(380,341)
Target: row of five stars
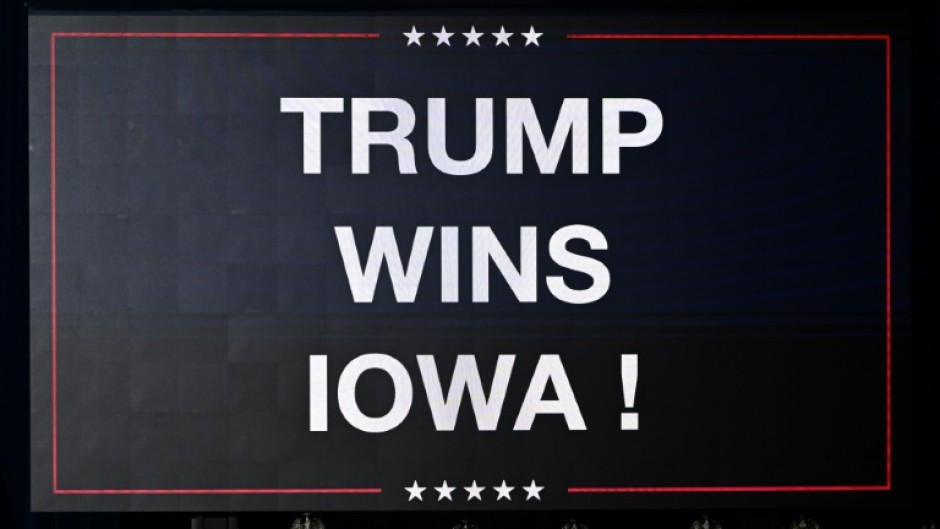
(473,37)
(474,491)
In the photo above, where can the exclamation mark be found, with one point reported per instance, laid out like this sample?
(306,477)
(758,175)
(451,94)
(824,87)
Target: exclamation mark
(628,374)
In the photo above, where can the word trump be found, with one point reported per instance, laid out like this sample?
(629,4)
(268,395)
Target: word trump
(521,124)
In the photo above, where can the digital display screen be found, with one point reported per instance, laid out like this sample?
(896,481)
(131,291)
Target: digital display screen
(463,262)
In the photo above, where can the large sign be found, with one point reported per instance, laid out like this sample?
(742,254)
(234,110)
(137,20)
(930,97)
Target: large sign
(461,263)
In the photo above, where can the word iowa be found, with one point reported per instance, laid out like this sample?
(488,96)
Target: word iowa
(522,125)
(465,378)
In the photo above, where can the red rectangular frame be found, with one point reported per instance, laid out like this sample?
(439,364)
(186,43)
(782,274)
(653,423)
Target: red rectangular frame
(571,490)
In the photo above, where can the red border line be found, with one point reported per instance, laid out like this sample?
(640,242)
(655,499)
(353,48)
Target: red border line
(573,490)
(92,492)
(779,488)
(888,425)
(888,260)
(54,266)
(211,35)
(718,36)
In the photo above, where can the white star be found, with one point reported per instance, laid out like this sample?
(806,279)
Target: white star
(502,37)
(444,491)
(473,491)
(531,37)
(413,36)
(473,37)
(443,37)
(503,491)
(533,491)
(415,491)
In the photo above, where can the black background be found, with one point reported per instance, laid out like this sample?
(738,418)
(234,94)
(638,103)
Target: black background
(742,318)
(15,469)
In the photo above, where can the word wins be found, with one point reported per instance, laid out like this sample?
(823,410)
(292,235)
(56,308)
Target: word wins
(486,249)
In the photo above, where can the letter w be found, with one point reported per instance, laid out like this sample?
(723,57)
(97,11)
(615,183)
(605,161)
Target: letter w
(384,248)
(486,409)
